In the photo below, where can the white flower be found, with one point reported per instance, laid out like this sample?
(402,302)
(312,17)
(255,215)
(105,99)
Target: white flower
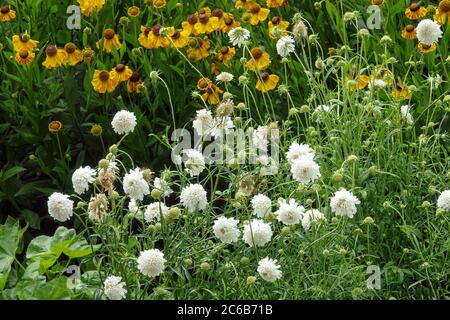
(224,77)
(151,262)
(221,125)
(163,185)
(428,32)
(226,230)
(195,162)
(290,212)
(269,270)
(60,207)
(406,115)
(133,206)
(203,122)
(285,46)
(377,83)
(135,185)
(238,36)
(260,137)
(344,203)
(443,201)
(261,205)
(305,170)
(114,288)
(154,211)
(298,150)
(311,216)
(124,122)
(257,233)
(193,197)
(81,179)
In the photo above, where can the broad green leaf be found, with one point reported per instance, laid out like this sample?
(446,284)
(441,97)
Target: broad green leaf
(9,242)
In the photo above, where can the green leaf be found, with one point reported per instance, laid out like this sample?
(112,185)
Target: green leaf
(12,172)
(9,242)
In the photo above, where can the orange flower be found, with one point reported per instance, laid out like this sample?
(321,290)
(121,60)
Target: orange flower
(7,14)
(103,81)
(110,39)
(211,91)
(24,42)
(55,126)
(134,11)
(156,40)
(401,92)
(54,57)
(424,48)
(415,11)
(24,57)
(229,22)
(206,24)
(179,38)
(225,55)
(259,61)
(189,25)
(268,82)
(442,14)
(143,37)
(257,14)
(276,3)
(244,4)
(198,49)
(134,83)
(409,32)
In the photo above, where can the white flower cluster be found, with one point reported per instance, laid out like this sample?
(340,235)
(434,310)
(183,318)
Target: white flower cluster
(154,211)
(114,288)
(443,201)
(257,233)
(151,262)
(193,197)
(82,178)
(428,32)
(262,205)
(290,213)
(303,167)
(124,122)
(60,207)
(238,36)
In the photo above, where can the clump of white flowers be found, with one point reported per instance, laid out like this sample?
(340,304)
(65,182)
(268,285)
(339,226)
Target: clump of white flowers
(262,205)
(305,170)
(195,162)
(151,262)
(310,217)
(135,185)
(238,36)
(443,201)
(81,179)
(226,230)
(154,211)
(290,213)
(193,197)
(296,151)
(203,122)
(60,207)
(257,233)
(406,115)
(343,203)
(114,288)
(428,32)
(269,270)
(285,46)
(124,122)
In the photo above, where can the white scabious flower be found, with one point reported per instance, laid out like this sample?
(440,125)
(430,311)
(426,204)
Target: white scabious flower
(296,151)
(285,46)
(377,83)
(269,270)
(195,162)
(203,122)
(135,185)
(124,122)
(238,36)
(193,198)
(262,205)
(151,262)
(260,137)
(343,203)
(154,210)
(224,77)
(257,233)
(114,288)
(163,185)
(133,206)
(60,207)
(310,217)
(428,32)
(443,201)
(81,179)
(305,170)
(221,126)
(406,115)
(290,213)
(226,230)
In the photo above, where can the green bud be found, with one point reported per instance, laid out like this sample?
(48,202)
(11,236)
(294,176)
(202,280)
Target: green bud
(245,261)
(251,280)
(156,194)
(205,266)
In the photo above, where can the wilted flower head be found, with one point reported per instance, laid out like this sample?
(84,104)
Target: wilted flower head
(98,208)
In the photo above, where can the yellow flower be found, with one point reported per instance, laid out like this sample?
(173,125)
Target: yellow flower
(259,61)
(225,55)
(268,82)
(55,126)
(143,37)
(206,24)
(179,38)
(257,14)
(401,92)
(211,91)
(229,22)
(133,11)
(74,55)
(110,39)
(415,11)
(96,130)
(7,14)
(198,49)
(442,14)
(54,57)
(155,40)
(424,48)
(377,2)
(90,6)
(159,4)
(409,32)
(24,57)
(121,73)
(359,84)
(276,3)
(244,4)
(103,81)
(134,83)
(189,24)
(24,42)
(282,27)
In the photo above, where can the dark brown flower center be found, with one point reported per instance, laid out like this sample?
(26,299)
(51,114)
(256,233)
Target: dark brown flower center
(229,21)
(255,9)
(192,19)
(70,48)
(203,84)
(135,77)
(147,31)
(217,13)
(176,34)
(120,67)
(156,30)
(109,34)
(265,76)
(409,28)
(257,53)
(104,76)
(24,37)
(5,9)
(51,51)
(24,54)
(414,6)
(224,50)
(276,20)
(378,2)
(204,18)
(444,6)
(202,11)
(426,46)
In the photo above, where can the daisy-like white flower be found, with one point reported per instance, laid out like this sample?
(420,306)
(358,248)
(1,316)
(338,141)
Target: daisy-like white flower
(269,270)
(285,46)
(124,122)
(195,162)
(257,233)
(238,36)
(193,197)
(81,179)
(203,122)
(154,211)
(114,288)
(290,213)
(296,151)
(443,201)
(60,207)
(262,205)
(406,115)
(305,170)
(151,263)
(224,77)
(226,230)
(344,203)
(428,32)
(163,185)
(135,185)
(310,217)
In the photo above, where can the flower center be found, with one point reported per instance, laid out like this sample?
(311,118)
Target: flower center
(147,31)
(24,37)
(229,21)
(444,6)
(426,46)
(23,54)
(51,51)
(217,13)
(4,9)
(224,50)
(109,34)
(202,11)
(176,34)
(203,84)
(104,76)
(70,48)
(204,18)
(414,6)
(255,9)
(120,67)
(135,77)
(378,2)
(409,28)
(134,11)
(276,20)
(156,30)
(192,19)
(265,76)
(257,53)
